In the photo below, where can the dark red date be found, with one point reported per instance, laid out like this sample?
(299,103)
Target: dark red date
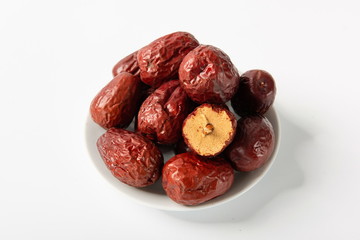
(116,104)
(208,75)
(159,61)
(189,179)
(253,143)
(256,93)
(161,115)
(127,64)
(131,158)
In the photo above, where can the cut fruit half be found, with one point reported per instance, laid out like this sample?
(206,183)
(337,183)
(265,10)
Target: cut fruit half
(209,129)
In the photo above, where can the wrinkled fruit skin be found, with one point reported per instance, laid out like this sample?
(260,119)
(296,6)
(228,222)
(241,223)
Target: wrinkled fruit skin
(256,93)
(159,61)
(130,157)
(208,75)
(189,179)
(116,104)
(127,64)
(161,115)
(253,143)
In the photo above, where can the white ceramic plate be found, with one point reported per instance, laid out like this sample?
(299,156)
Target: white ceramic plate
(154,196)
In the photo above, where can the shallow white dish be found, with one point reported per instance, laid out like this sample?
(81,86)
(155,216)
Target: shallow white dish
(154,196)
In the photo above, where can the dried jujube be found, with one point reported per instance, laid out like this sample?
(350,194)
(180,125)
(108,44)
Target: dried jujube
(131,158)
(127,64)
(161,115)
(256,93)
(190,179)
(253,143)
(159,61)
(209,129)
(116,104)
(208,75)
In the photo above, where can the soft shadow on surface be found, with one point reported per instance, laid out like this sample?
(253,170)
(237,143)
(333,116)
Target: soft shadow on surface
(284,175)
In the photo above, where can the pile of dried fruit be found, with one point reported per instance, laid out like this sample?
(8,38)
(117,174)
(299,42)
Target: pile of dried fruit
(177,90)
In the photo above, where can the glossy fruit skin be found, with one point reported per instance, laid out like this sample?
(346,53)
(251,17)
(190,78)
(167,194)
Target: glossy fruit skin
(131,158)
(159,61)
(208,75)
(189,179)
(117,103)
(127,64)
(253,143)
(256,93)
(161,115)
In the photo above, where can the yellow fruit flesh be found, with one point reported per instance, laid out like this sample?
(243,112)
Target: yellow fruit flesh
(207,131)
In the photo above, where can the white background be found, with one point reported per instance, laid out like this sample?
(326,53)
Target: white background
(56,55)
